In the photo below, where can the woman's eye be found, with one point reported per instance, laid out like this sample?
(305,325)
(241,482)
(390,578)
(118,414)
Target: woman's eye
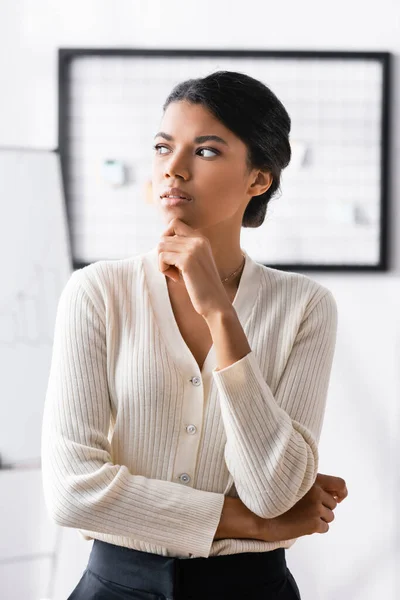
(158,146)
(215,152)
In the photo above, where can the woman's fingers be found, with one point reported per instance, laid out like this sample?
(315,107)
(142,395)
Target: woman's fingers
(327,515)
(336,486)
(328,500)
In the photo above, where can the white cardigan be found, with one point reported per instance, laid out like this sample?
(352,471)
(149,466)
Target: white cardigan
(139,445)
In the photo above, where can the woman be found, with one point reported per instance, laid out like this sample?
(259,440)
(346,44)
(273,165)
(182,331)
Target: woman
(187,386)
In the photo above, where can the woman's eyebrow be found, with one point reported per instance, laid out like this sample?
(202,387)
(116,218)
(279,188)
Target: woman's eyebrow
(198,140)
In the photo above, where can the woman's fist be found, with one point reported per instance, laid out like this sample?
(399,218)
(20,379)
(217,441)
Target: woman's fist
(311,514)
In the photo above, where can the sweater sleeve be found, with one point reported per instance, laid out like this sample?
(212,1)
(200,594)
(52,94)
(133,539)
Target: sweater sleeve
(82,486)
(271,449)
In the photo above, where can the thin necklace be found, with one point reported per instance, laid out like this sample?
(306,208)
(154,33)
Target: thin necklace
(234,272)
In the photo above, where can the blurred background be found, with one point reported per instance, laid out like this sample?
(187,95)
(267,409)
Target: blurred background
(82,87)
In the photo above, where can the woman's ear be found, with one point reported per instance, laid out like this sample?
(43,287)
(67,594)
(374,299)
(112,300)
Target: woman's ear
(261,183)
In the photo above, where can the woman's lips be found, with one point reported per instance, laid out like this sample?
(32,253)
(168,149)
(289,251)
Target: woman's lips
(168,201)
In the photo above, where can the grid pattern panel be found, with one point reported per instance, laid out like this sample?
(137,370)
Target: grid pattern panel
(329,209)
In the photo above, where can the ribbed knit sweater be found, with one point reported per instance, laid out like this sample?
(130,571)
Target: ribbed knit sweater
(139,446)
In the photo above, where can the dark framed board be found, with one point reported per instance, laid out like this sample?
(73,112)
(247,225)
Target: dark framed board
(332,211)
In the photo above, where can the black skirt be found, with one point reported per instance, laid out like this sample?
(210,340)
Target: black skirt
(115,572)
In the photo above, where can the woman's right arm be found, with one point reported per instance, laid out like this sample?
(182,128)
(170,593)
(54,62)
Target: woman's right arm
(311,514)
(83,487)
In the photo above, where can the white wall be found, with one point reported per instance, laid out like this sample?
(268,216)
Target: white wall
(30,33)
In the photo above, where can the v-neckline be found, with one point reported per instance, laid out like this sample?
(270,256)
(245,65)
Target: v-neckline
(243,304)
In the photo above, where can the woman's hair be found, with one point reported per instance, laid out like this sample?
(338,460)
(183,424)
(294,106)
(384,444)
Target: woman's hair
(251,111)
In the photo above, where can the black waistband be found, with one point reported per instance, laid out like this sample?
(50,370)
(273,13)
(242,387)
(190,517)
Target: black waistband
(163,575)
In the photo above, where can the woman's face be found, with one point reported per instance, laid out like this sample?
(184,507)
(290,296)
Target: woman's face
(213,172)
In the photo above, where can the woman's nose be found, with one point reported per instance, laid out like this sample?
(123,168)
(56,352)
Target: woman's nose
(176,167)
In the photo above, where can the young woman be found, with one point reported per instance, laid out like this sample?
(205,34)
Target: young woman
(188,384)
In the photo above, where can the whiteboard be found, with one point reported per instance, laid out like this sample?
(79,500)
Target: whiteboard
(35,265)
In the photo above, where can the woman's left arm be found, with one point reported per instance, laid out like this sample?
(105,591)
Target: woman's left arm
(271,450)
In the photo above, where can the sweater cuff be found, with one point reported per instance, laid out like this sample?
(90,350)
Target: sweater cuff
(206,521)
(238,375)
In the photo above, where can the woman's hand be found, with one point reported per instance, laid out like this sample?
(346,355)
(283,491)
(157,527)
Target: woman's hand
(334,485)
(183,252)
(309,515)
